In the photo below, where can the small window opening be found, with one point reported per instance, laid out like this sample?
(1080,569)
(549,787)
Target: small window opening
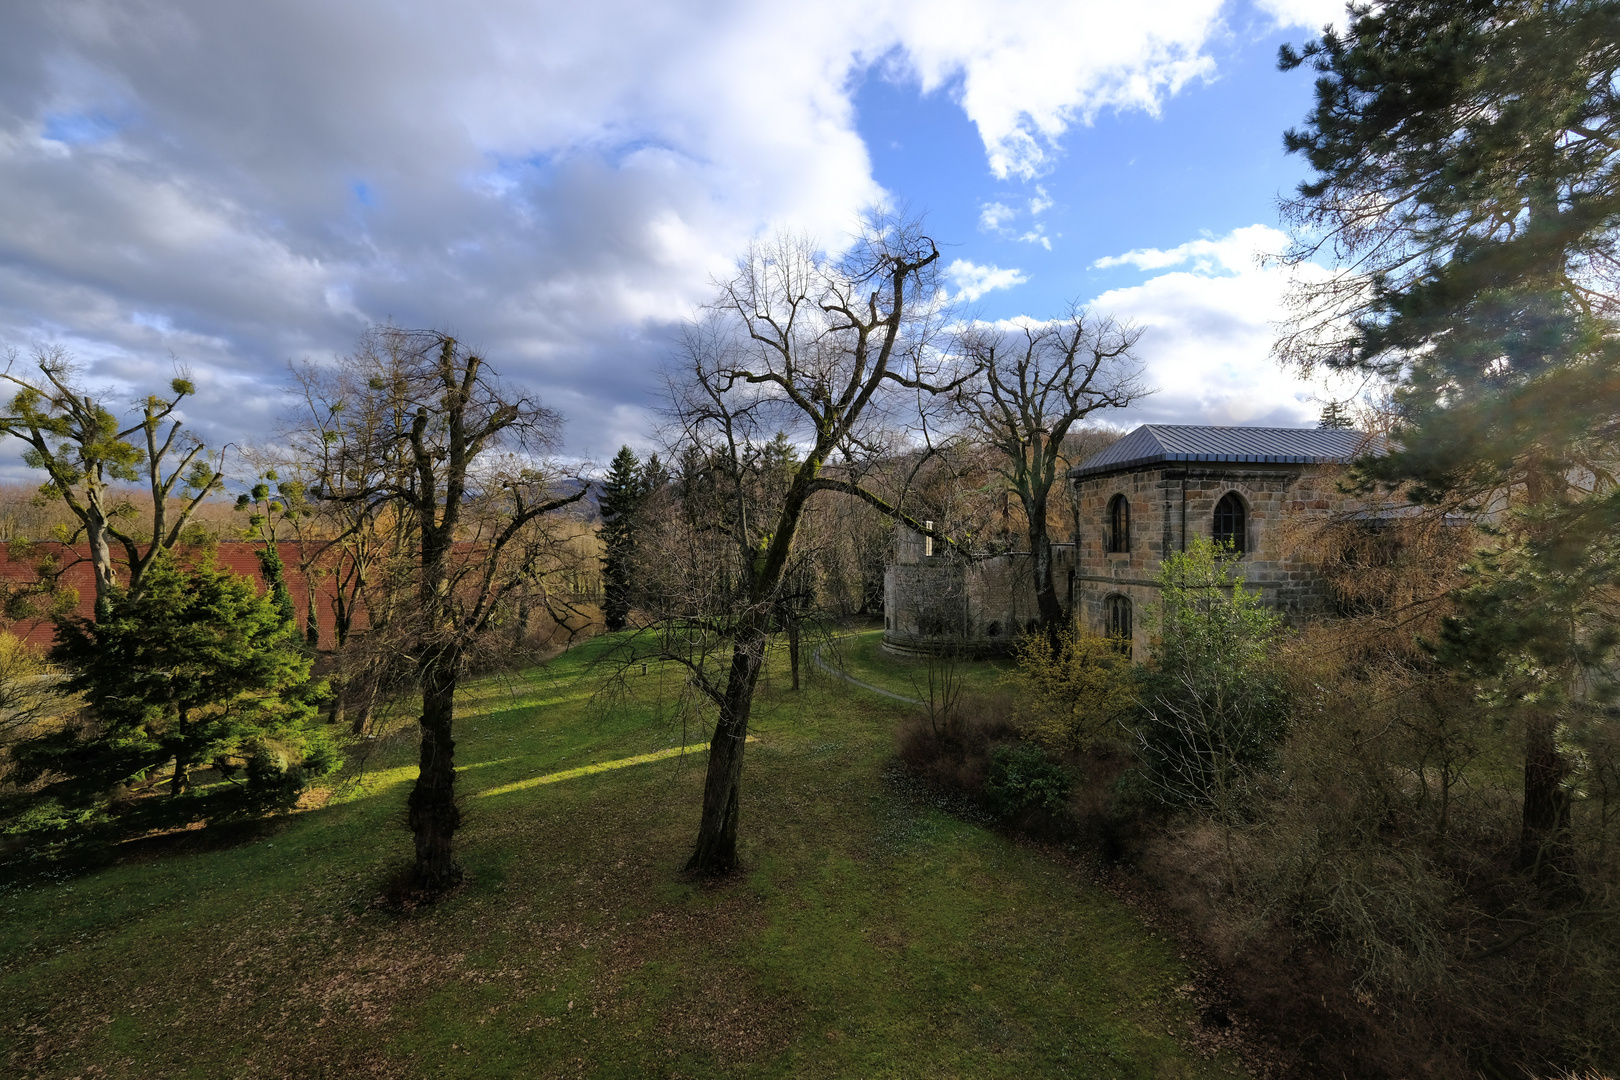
(1231,524)
(1119,524)
(1117,615)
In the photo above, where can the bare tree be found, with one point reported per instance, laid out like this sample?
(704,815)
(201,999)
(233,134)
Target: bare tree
(820,349)
(82,448)
(429,434)
(355,547)
(1034,384)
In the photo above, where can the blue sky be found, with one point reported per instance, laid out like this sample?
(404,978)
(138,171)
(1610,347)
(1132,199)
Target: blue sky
(232,188)
(1209,163)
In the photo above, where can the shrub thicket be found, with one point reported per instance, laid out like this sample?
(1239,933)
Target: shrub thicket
(1211,708)
(1024,777)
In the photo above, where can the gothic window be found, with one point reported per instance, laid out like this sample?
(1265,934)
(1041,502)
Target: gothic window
(1117,612)
(1232,523)
(1119,524)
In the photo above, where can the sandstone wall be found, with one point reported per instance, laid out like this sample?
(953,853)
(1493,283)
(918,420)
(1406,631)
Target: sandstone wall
(978,605)
(1169,506)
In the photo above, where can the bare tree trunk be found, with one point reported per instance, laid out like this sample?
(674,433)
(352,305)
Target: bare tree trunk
(1048,608)
(365,706)
(182,763)
(340,689)
(433,813)
(101,562)
(716,849)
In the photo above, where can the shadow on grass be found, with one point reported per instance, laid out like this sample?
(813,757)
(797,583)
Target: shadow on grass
(129,838)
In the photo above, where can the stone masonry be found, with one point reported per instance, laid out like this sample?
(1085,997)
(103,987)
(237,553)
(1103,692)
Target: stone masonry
(1173,477)
(938,601)
(1169,506)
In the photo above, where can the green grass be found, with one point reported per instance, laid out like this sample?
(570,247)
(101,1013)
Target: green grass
(862,656)
(871,935)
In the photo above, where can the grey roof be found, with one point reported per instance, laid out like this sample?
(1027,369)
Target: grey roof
(1154,443)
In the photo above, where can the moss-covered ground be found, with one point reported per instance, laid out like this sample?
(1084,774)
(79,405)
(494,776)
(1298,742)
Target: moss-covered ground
(871,935)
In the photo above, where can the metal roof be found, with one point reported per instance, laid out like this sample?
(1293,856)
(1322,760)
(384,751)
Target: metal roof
(1154,443)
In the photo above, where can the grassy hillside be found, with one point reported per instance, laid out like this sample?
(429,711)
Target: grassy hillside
(872,936)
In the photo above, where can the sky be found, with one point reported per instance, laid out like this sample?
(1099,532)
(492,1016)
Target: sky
(231,188)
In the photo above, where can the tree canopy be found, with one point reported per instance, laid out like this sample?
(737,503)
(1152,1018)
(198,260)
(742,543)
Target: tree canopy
(1467,180)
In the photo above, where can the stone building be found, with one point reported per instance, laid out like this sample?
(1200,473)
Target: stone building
(935,600)
(1161,485)
(1147,494)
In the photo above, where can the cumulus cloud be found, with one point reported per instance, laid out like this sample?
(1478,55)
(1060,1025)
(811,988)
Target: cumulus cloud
(1309,14)
(1030,69)
(994,216)
(973,281)
(1209,325)
(1037,235)
(1232,253)
(244,185)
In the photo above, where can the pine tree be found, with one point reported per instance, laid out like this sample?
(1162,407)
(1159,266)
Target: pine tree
(1467,160)
(265,512)
(197,667)
(622,494)
(1334,416)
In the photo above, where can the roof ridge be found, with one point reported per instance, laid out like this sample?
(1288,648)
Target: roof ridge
(1227,443)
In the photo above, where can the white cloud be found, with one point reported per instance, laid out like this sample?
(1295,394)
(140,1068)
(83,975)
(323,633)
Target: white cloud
(1041,202)
(244,185)
(1037,235)
(1030,69)
(994,216)
(1312,15)
(973,281)
(1209,327)
(1232,254)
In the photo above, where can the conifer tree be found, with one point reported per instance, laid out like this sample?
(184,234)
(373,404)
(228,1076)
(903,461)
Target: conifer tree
(622,494)
(1467,161)
(196,667)
(86,450)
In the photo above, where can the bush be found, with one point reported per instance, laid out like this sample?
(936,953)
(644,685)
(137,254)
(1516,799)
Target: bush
(1213,710)
(1077,694)
(956,754)
(1025,777)
(274,778)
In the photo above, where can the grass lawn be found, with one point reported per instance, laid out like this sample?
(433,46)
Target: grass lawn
(862,656)
(871,936)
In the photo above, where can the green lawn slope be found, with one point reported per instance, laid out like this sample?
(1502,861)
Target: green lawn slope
(872,936)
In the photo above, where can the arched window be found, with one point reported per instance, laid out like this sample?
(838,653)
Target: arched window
(1119,524)
(1117,613)
(1232,523)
